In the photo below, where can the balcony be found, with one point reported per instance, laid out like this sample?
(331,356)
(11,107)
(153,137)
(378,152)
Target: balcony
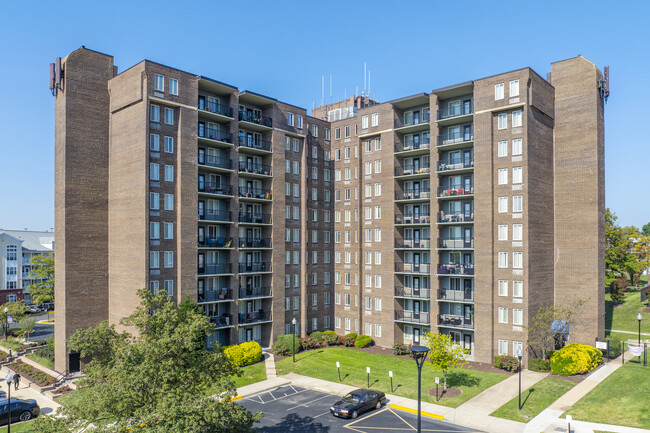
(465,165)
(410,218)
(214,134)
(215,108)
(215,188)
(413,268)
(209,242)
(412,170)
(451,321)
(216,162)
(258,146)
(455,217)
(413,123)
(410,316)
(452,140)
(255,193)
(253,317)
(254,218)
(256,119)
(223,321)
(215,215)
(455,269)
(216,296)
(254,243)
(455,243)
(456,295)
(413,243)
(245,268)
(410,292)
(421,145)
(254,292)
(413,194)
(456,111)
(251,168)
(215,269)
(453,192)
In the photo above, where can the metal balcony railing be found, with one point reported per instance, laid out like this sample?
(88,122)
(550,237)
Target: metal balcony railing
(215,215)
(448,191)
(250,167)
(456,269)
(457,165)
(254,267)
(421,142)
(410,292)
(215,107)
(214,134)
(456,110)
(214,161)
(215,188)
(221,242)
(245,191)
(216,268)
(455,137)
(455,217)
(413,194)
(410,169)
(255,144)
(253,317)
(413,243)
(456,295)
(215,295)
(252,118)
(410,218)
(455,321)
(256,218)
(254,292)
(254,243)
(418,118)
(455,243)
(221,321)
(412,317)
(416,268)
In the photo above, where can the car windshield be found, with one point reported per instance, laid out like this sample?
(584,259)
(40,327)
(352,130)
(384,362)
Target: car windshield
(352,398)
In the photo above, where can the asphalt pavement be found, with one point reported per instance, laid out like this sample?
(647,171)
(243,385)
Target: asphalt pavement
(41,331)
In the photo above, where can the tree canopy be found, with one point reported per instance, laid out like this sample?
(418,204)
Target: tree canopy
(43,271)
(619,255)
(444,354)
(158,379)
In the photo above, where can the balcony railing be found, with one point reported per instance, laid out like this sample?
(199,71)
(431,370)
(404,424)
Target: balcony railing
(255,218)
(221,321)
(254,267)
(455,137)
(424,142)
(214,134)
(410,292)
(215,215)
(215,242)
(456,295)
(448,191)
(215,295)
(216,268)
(456,269)
(214,161)
(215,188)
(215,107)
(413,243)
(417,268)
(253,316)
(255,144)
(413,194)
(455,217)
(413,317)
(254,292)
(456,243)
(458,110)
(250,167)
(413,121)
(449,165)
(455,321)
(254,243)
(411,169)
(253,118)
(245,191)
(409,218)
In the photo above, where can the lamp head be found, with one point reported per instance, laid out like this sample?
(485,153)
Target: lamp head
(293,321)
(6,310)
(419,354)
(520,354)
(9,378)
(639,317)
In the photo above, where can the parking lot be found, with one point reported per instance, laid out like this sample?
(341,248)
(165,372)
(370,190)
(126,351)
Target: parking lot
(291,409)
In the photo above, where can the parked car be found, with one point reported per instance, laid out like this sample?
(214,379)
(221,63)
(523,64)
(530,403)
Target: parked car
(48,306)
(33,309)
(357,402)
(21,410)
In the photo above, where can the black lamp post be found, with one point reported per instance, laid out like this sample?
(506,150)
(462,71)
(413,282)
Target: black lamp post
(638,317)
(520,355)
(6,322)
(9,378)
(293,340)
(419,354)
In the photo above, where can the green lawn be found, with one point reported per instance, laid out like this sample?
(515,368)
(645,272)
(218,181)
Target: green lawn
(69,397)
(534,400)
(322,364)
(45,362)
(11,344)
(623,316)
(21,427)
(622,398)
(252,374)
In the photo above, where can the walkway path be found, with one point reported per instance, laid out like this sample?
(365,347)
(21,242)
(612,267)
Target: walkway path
(627,332)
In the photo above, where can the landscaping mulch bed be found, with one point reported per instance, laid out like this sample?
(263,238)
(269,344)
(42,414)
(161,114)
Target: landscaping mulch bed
(451,392)
(32,374)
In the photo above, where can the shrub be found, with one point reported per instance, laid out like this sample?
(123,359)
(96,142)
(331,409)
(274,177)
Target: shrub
(400,349)
(284,343)
(308,343)
(348,340)
(549,354)
(244,354)
(538,364)
(332,339)
(497,361)
(575,359)
(617,290)
(318,336)
(506,362)
(362,341)
(614,348)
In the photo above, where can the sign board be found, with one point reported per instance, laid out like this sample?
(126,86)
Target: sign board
(601,345)
(10,318)
(437,380)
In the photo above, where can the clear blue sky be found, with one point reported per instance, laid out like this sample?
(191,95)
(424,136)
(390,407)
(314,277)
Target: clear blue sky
(281,49)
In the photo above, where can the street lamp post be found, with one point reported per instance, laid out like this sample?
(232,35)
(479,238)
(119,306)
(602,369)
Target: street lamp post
(520,355)
(293,340)
(6,322)
(9,378)
(419,355)
(638,317)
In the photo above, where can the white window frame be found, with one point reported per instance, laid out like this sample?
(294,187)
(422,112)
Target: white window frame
(502,176)
(517,232)
(173,86)
(502,260)
(514,88)
(503,315)
(517,175)
(159,83)
(503,288)
(517,117)
(503,232)
(518,316)
(375,119)
(503,204)
(517,146)
(517,204)
(364,122)
(518,289)
(498,91)
(502,148)
(517,260)
(502,121)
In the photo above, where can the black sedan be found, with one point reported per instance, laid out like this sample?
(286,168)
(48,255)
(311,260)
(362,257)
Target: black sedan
(21,410)
(357,402)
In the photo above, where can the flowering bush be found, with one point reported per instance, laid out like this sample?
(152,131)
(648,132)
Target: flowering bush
(284,344)
(506,362)
(244,354)
(349,339)
(400,349)
(308,343)
(332,339)
(575,359)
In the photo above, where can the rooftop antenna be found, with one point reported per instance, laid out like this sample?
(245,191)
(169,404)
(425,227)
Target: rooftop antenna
(322,101)
(364,77)
(368,86)
(330,88)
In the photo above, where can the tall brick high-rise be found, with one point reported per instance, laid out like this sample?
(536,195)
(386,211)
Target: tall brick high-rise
(461,211)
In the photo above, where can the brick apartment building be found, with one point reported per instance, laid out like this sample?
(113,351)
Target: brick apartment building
(460,211)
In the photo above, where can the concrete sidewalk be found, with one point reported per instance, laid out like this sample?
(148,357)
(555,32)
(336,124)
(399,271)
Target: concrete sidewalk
(47,405)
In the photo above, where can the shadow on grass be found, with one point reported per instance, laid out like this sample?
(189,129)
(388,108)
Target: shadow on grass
(375,381)
(395,389)
(345,376)
(311,353)
(530,391)
(462,378)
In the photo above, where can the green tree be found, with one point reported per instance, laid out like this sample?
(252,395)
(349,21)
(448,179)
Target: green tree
(43,271)
(617,290)
(444,354)
(27,325)
(158,379)
(618,255)
(646,229)
(15,309)
(542,333)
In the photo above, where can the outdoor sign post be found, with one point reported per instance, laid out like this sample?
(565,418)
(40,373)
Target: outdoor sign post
(338,367)
(569,418)
(603,345)
(368,371)
(437,382)
(390,373)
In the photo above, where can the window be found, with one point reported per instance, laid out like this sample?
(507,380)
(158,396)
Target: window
(503,204)
(368,190)
(314,130)
(314,152)
(377,212)
(159,83)
(296,235)
(287,188)
(503,260)
(517,316)
(169,144)
(296,145)
(377,143)
(290,119)
(514,88)
(169,259)
(347,298)
(169,116)
(287,166)
(337,133)
(348,195)
(368,328)
(327,298)
(154,230)
(378,304)
(287,305)
(314,236)
(154,142)
(173,86)
(326,174)
(287,235)
(517,203)
(503,287)
(503,347)
(337,298)
(368,168)
(314,299)
(154,115)
(503,176)
(375,119)
(296,167)
(287,281)
(299,121)
(517,260)
(516,175)
(503,315)
(364,122)
(169,287)
(503,232)
(498,91)
(377,257)
(169,230)
(154,259)
(347,133)
(377,330)
(378,166)
(516,118)
(296,190)
(154,201)
(377,281)
(348,173)
(502,148)
(368,281)
(326,257)
(169,173)
(377,189)
(347,153)
(516,232)
(296,302)
(377,235)
(368,302)
(154,286)
(347,323)
(503,120)
(516,146)
(517,289)
(326,133)
(368,146)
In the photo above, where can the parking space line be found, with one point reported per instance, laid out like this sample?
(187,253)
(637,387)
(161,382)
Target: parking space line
(349,425)
(326,413)
(403,420)
(310,401)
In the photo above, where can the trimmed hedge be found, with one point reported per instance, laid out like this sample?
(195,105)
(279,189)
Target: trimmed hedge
(506,362)
(244,354)
(575,359)
(539,365)
(362,341)
(283,344)
(332,339)
(349,339)
(309,342)
(614,348)
(400,349)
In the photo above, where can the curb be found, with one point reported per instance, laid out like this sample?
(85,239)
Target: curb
(408,409)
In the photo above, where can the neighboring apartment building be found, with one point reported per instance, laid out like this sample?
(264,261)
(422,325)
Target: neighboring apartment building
(460,211)
(17,247)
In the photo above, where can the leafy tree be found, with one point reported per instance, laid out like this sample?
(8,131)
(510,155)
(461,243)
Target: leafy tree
(43,271)
(15,309)
(617,290)
(618,256)
(27,325)
(158,379)
(646,229)
(642,251)
(542,334)
(444,353)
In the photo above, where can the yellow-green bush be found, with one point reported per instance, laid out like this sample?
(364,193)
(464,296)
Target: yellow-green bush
(244,353)
(575,359)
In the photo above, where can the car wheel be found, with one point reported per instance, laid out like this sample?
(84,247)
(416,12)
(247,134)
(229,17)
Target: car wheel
(25,416)
(355,414)
(378,405)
